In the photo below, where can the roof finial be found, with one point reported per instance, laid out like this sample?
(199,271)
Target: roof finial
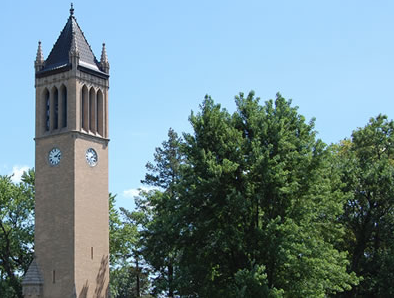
(104,57)
(104,60)
(40,56)
(72,9)
(39,63)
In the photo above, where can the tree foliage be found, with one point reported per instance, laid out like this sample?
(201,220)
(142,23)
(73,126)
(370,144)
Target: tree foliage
(254,208)
(367,164)
(16,232)
(156,214)
(127,280)
(258,194)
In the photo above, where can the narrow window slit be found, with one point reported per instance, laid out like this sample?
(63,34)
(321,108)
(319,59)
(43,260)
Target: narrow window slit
(47,111)
(56,107)
(64,107)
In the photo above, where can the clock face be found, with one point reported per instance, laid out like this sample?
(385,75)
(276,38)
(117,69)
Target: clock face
(91,157)
(54,156)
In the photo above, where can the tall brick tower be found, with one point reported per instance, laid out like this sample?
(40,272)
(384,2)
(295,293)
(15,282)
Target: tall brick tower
(71,225)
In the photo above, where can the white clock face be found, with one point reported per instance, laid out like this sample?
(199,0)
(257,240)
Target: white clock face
(54,156)
(91,157)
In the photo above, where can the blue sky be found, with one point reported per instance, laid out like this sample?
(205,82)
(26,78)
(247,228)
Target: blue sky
(335,59)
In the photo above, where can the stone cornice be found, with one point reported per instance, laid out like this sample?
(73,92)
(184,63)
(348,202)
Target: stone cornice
(82,74)
(77,134)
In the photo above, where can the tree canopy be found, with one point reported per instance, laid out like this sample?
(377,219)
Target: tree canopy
(254,209)
(16,232)
(367,166)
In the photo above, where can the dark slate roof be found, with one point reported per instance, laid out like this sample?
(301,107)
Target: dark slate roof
(59,56)
(32,276)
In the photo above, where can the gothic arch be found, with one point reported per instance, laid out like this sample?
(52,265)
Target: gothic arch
(85,108)
(63,107)
(100,113)
(92,110)
(45,109)
(54,107)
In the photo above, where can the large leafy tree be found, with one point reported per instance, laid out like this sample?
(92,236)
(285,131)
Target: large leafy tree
(367,164)
(128,281)
(258,203)
(127,278)
(16,232)
(123,235)
(155,214)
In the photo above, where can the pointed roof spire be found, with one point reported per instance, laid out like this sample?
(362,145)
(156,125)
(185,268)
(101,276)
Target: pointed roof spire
(33,275)
(71,48)
(104,57)
(71,41)
(40,56)
(104,60)
(39,63)
(72,9)
(32,282)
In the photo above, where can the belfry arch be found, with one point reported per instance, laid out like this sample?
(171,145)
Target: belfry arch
(85,108)
(54,109)
(45,108)
(92,110)
(63,107)
(100,113)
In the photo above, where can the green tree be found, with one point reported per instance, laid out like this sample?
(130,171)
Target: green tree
(155,214)
(367,164)
(123,235)
(258,203)
(127,280)
(124,282)
(16,232)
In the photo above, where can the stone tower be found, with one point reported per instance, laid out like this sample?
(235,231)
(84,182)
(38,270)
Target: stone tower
(71,162)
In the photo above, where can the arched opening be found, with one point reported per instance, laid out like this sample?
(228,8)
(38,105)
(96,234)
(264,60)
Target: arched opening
(85,108)
(46,109)
(55,109)
(63,106)
(92,110)
(100,113)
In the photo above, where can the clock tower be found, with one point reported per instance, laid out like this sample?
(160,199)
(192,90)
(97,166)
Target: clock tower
(71,162)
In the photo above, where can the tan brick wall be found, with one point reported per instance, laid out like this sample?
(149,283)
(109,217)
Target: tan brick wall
(72,197)
(54,230)
(91,219)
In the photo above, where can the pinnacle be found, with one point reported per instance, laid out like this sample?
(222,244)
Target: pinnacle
(104,58)
(40,56)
